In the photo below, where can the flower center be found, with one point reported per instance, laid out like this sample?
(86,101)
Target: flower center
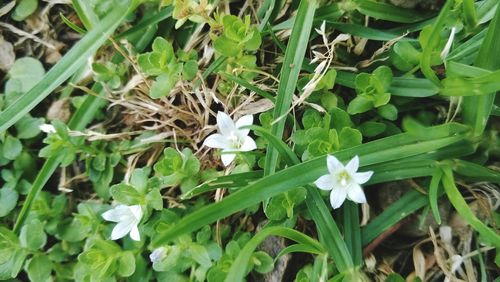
(343,178)
(235,140)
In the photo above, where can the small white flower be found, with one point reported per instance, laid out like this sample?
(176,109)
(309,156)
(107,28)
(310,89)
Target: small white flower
(158,254)
(231,138)
(128,217)
(47,128)
(343,181)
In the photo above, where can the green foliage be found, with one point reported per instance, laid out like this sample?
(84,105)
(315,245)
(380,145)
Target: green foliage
(103,260)
(199,221)
(178,168)
(24,9)
(372,90)
(325,135)
(168,68)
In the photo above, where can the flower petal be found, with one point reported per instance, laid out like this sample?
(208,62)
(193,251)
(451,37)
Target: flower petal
(216,141)
(225,124)
(158,254)
(134,233)
(337,197)
(121,229)
(248,144)
(325,182)
(353,165)
(244,121)
(227,159)
(136,211)
(362,177)
(115,214)
(333,164)
(355,193)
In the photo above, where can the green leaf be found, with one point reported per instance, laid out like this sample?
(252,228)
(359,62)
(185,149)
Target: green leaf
(388,111)
(28,127)
(24,9)
(126,194)
(126,264)
(372,128)
(349,137)
(26,72)
(39,268)
(12,147)
(226,46)
(162,86)
(263,263)
(8,200)
(32,235)
(404,56)
(359,105)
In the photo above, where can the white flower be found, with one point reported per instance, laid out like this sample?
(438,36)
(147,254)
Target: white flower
(231,138)
(128,217)
(158,254)
(47,128)
(343,181)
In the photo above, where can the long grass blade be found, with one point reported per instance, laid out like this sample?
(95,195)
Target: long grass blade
(458,202)
(294,56)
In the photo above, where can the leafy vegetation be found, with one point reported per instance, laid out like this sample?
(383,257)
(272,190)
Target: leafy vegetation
(199,140)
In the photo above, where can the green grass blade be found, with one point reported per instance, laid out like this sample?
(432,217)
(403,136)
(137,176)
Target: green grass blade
(147,22)
(85,13)
(403,207)
(69,64)
(434,194)
(329,233)
(43,176)
(475,172)
(400,86)
(383,150)
(388,12)
(470,14)
(463,209)
(352,231)
(226,181)
(249,86)
(476,110)
(297,248)
(294,55)
(238,268)
(71,25)
(368,33)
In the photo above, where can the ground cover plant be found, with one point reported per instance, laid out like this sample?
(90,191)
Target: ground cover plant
(271,140)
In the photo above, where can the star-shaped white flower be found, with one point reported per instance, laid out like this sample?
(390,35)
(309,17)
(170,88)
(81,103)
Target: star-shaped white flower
(158,254)
(343,181)
(231,138)
(128,217)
